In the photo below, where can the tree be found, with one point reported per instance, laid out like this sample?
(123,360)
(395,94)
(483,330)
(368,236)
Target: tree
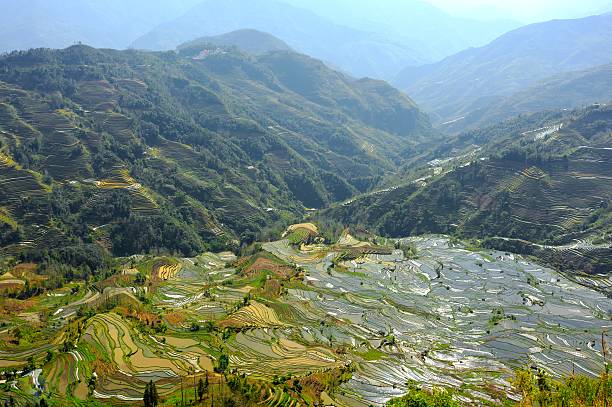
(223,363)
(91,384)
(202,388)
(31,364)
(150,397)
(49,356)
(420,398)
(154,396)
(146,397)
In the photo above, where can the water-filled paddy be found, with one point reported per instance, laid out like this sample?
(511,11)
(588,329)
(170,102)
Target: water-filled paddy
(451,311)
(447,317)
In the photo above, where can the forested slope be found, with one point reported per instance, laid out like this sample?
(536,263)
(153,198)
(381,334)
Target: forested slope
(143,151)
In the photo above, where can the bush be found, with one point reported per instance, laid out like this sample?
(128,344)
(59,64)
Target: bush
(420,398)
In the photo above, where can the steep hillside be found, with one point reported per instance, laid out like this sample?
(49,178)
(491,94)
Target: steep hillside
(141,151)
(511,63)
(550,185)
(563,91)
(251,41)
(359,52)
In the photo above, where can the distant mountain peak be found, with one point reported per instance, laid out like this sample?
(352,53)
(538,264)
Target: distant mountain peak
(248,40)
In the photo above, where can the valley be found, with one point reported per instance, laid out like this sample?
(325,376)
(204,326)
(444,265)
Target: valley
(549,197)
(237,207)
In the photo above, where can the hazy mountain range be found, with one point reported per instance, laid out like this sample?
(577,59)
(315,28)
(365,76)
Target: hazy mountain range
(61,23)
(359,52)
(430,31)
(357,37)
(563,91)
(515,61)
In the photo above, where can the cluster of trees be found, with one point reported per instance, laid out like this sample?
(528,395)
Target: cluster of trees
(9,234)
(139,234)
(535,387)
(26,292)
(538,389)
(416,397)
(78,262)
(10,402)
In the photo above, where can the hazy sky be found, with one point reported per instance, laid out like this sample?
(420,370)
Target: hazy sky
(526,10)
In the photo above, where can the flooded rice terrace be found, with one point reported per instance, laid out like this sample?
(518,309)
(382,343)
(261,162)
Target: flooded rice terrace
(451,317)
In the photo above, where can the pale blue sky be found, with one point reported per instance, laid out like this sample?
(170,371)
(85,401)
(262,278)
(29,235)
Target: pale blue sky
(525,10)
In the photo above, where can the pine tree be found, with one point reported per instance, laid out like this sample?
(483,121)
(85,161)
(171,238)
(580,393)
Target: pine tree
(150,397)
(154,397)
(147,396)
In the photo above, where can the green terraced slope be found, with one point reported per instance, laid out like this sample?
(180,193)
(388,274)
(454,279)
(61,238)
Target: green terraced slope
(143,151)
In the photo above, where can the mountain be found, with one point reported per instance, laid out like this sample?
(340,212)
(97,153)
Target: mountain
(353,36)
(563,91)
(511,63)
(361,53)
(251,41)
(146,151)
(61,23)
(538,184)
(534,13)
(413,22)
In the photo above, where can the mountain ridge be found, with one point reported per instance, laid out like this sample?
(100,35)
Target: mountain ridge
(509,64)
(563,91)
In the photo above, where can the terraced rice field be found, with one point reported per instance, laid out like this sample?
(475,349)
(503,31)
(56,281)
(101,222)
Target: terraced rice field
(167,271)
(136,358)
(453,318)
(97,95)
(268,352)
(120,127)
(569,191)
(255,315)
(119,178)
(17,183)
